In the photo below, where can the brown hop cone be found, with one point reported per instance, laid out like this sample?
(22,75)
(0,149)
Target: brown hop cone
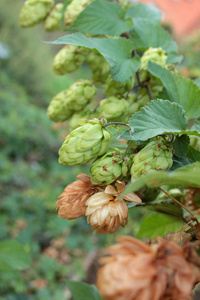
(71,203)
(137,271)
(105,212)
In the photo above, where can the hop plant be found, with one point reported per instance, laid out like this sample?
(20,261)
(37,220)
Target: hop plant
(53,21)
(105,212)
(113,109)
(114,88)
(85,143)
(99,66)
(34,11)
(79,94)
(156,155)
(157,55)
(58,111)
(69,59)
(109,168)
(74,9)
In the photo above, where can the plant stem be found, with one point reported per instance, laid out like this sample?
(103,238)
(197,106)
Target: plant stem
(116,123)
(193,217)
(127,149)
(149,92)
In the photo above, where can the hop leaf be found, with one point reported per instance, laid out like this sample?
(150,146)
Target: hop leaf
(34,11)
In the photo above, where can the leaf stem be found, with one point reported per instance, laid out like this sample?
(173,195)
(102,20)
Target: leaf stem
(116,123)
(149,92)
(126,149)
(193,217)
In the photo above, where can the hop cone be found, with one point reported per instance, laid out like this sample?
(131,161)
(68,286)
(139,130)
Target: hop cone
(99,66)
(34,11)
(113,108)
(156,155)
(69,59)
(109,168)
(58,111)
(85,143)
(77,117)
(114,88)
(80,94)
(53,21)
(74,9)
(157,55)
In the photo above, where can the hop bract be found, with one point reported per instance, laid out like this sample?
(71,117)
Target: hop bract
(58,111)
(53,21)
(113,109)
(109,168)
(79,94)
(156,155)
(34,11)
(69,59)
(99,66)
(114,88)
(74,9)
(85,143)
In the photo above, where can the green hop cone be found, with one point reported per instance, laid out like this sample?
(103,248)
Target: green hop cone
(74,9)
(109,168)
(85,143)
(114,88)
(34,11)
(113,109)
(76,119)
(79,94)
(69,59)
(156,155)
(57,110)
(99,66)
(156,55)
(53,21)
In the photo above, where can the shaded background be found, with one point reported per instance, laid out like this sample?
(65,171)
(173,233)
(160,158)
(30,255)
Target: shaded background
(30,177)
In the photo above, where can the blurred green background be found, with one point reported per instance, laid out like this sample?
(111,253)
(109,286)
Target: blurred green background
(31,178)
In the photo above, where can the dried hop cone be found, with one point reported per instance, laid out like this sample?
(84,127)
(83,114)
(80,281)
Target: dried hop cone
(85,143)
(71,203)
(99,66)
(137,271)
(79,94)
(74,9)
(109,168)
(114,88)
(53,21)
(105,212)
(156,155)
(34,11)
(58,111)
(113,109)
(69,59)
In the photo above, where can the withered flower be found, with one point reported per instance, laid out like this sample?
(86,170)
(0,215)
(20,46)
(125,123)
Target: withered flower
(71,203)
(106,212)
(137,271)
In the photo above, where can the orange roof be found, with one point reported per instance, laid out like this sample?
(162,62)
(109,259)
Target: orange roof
(184,15)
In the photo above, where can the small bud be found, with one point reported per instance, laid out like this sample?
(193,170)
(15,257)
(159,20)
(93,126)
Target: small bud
(34,11)
(100,68)
(113,109)
(69,59)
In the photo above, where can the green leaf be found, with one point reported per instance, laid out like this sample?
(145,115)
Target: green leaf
(193,154)
(117,52)
(183,177)
(197,81)
(13,255)
(170,208)
(179,89)
(146,34)
(102,17)
(158,117)
(83,291)
(181,145)
(180,162)
(144,12)
(159,224)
